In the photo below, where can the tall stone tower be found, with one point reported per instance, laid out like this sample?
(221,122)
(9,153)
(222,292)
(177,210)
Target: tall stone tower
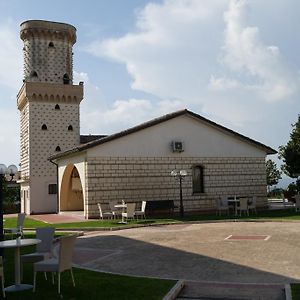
(49,109)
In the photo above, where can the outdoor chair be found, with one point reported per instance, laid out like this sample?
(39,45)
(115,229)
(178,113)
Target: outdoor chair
(60,264)
(243,206)
(115,211)
(252,204)
(142,211)
(297,203)
(2,276)
(222,205)
(19,228)
(43,249)
(102,214)
(129,214)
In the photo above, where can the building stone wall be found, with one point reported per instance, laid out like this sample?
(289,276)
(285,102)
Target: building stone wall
(148,178)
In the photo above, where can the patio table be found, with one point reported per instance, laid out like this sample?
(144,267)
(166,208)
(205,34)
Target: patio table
(235,200)
(123,206)
(17,244)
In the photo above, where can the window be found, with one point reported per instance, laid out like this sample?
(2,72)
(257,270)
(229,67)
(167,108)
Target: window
(44,127)
(66,79)
(70,128)
(57,149)
(57,107)
(52,189)
(198,184)
(33,74)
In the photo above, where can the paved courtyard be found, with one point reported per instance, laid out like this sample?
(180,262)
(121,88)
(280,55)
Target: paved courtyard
(230,252)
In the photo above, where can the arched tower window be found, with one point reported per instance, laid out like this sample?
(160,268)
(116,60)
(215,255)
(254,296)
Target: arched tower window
(44,127)
(33,74)
(66,79)
(51,45)
(197,177)
(57,149)
(70,128)
(57,107)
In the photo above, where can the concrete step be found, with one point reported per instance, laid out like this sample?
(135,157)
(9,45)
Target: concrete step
(231,291)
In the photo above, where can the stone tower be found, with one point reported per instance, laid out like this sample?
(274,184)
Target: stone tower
(49,109)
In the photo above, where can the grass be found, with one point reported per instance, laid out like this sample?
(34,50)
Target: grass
(89,284)
(269,215)
(295,291)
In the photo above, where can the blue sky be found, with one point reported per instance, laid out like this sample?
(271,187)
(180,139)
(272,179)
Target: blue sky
(235,62)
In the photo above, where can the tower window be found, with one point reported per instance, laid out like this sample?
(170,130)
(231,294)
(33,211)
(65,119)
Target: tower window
(70,128)
(66,79)
(52,189)
(51,45)
(33,74)
(44,127)
(57,149)
(57,107)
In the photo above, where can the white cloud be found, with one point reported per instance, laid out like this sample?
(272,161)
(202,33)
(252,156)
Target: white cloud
(204,55)
(245,52)
(166,55)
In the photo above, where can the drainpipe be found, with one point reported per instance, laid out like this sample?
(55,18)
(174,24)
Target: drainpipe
(57,201)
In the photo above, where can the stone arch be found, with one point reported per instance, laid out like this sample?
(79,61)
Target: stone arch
(71,194)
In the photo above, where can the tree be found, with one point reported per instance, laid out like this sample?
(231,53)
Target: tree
(273,174)
(290,153)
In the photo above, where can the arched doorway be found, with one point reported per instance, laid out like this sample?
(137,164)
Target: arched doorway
(71,194)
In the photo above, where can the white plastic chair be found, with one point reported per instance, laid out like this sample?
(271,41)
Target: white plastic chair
(222,205)
(142,211)
(252,204)
(243,206)
(129,214)
(19,228)
(115,211)
(297,203)
(43,249)
(2,277)
(102,214)
(60,264)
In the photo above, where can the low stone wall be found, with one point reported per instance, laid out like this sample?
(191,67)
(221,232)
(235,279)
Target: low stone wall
(137,178)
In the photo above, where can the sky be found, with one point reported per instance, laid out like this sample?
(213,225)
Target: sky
(235,62)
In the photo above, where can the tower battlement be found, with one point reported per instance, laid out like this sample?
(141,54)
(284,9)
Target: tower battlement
(47,51)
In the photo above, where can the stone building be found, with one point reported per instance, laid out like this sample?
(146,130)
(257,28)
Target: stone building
(134,164)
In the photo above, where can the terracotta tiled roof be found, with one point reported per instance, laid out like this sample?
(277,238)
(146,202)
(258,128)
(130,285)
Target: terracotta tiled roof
(159,120)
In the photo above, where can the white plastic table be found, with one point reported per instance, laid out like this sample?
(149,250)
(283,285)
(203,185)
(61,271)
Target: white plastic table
(123,206)
(17,244)
(234,200)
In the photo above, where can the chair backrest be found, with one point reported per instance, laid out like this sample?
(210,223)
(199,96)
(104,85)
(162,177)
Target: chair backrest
(224,201)
(20,220)
(253,201)
(143,208)
(130,210)
(243,204)
(46,235)
(100,210)
(66,252)
(112,205)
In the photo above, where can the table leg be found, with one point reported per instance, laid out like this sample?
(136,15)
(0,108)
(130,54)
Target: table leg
(235,206)
(18,286)
(17,267)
